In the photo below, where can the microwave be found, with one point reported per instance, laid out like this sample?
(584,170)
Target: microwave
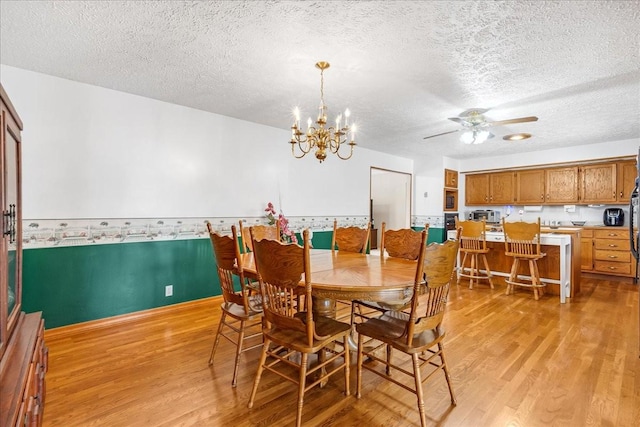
(490,216)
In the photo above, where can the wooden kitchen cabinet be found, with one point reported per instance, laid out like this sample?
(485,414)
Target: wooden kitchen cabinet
(490,189)
(625,180)
(561,185)
(610,252)
(530,188)
(477,189)
(450,178)
(501,188)
(598,183)
(586,250)
(450,198)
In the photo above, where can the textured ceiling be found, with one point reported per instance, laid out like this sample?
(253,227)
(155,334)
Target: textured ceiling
(402,67)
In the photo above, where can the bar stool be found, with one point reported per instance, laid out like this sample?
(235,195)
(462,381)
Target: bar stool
(473,244)
(522,242)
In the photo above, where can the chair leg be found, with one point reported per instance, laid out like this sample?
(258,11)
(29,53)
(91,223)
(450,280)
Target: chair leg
(359,366)
(473,272)
(486,267)
(513,276)
(302,383)
(217,339)
(420,396)
(261,362)
(462,264)
(535,280)
(541,288)
(388,370)
(347,367)
(446,374)
(238,352)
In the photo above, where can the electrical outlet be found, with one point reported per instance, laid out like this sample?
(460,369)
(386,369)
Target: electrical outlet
(168,291)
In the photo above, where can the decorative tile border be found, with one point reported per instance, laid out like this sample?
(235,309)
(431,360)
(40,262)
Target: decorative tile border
(40,233)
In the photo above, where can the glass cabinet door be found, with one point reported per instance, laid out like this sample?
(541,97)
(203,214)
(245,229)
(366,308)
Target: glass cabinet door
(11,219)
(11,227)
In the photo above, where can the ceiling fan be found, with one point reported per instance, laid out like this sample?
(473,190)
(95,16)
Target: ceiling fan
(476,127)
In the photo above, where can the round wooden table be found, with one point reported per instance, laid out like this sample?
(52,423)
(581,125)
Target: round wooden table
(351,276)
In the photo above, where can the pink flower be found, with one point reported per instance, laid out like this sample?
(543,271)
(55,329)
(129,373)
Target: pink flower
(270,209)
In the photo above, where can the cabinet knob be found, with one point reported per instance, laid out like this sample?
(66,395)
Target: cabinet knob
(612,268)
(613,246)
(612,256)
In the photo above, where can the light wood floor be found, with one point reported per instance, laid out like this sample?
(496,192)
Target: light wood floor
(514,362)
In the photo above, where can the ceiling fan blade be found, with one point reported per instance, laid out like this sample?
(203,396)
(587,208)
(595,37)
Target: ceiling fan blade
(458,119)
(512,121)
(440,134)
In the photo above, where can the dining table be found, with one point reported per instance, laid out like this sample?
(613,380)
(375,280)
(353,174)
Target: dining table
(352,276)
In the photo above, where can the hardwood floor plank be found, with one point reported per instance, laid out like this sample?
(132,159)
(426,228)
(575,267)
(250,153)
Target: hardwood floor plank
(513,361)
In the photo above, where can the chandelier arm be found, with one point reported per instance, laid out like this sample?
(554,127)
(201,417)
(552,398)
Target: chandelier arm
(337,153)
(293,151)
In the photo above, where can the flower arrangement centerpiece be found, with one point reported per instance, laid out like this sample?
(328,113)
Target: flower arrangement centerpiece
(286,234)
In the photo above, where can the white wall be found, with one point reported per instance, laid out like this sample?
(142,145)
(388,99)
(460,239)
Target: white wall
(91,152)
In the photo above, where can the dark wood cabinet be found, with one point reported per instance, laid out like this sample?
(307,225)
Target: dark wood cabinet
(23,354)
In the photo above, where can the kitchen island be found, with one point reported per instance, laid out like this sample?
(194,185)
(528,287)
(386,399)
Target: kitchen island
(560,268)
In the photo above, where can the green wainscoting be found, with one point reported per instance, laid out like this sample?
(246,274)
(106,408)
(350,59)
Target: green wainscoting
(77,284)
(81,283)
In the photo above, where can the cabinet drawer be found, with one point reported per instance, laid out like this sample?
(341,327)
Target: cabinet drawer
(613,267)
(612,256)
(612,244)
(612,234)
(587,233)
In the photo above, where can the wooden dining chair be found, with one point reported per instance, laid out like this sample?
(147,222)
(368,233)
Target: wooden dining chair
(351,239)
(417,333)
(241,313)
(287,331)
(522,242)
(473,247)
(271,232)
(404,243)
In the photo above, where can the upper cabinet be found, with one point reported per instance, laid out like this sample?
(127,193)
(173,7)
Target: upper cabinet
(598,183)
(501,188)
(530,187)
(625,180)
(489,188)
(450,178)
(561,185)
(477,189)
(606,182)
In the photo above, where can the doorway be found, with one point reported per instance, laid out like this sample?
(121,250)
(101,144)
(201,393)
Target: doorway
(390,201)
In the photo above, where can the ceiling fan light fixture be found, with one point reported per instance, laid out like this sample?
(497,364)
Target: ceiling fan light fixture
(474,136)
(516,136)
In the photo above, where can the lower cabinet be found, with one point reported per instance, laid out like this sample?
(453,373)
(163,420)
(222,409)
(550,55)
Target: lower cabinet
(586,250)
(610,252)
(22,374)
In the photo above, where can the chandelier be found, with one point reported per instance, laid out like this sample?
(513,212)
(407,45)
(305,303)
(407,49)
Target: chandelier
(319,137)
